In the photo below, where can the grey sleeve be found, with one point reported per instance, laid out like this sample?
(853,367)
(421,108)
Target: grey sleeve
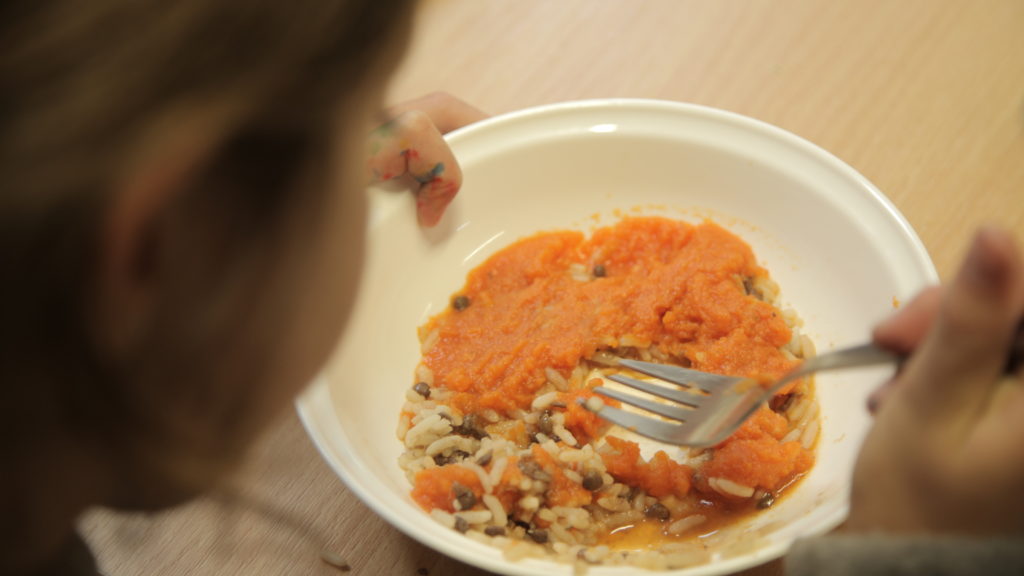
(905,555)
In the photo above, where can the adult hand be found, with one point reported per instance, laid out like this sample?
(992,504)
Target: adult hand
(945,452)
(412,144)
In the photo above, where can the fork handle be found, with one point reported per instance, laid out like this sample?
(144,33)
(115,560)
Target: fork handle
(863,355)
(869,355)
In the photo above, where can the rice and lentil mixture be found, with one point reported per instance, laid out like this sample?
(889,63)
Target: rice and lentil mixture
(499,447)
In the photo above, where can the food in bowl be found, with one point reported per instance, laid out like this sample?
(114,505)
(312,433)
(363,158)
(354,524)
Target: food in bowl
(835,244)
(499,446)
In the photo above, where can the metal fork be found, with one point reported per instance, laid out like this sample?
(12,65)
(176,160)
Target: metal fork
(710,407)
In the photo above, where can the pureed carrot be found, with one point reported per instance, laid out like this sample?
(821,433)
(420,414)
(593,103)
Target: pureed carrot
(667,284)
(647,283)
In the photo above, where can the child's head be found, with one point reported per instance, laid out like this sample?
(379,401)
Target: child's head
(181,227)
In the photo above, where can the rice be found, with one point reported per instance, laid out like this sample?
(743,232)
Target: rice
(810,434)
(564,435)
(443,518)
(485,478)
(686,524)
(498,514)
(427,431)
(727,487)
(451,443)
(542,486)
(543,401)
(556,379)
(475,516)
(573,534)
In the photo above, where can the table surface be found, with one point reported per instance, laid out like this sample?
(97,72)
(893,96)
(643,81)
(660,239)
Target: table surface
(923,97)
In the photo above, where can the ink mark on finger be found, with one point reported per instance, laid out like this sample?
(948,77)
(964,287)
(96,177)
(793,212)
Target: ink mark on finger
(431,175)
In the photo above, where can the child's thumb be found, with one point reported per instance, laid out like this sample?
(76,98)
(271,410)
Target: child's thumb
(963,357)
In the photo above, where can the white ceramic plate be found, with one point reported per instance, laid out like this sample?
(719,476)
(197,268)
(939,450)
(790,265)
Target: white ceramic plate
(840,251)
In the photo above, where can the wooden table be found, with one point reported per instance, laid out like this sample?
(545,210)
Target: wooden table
(923,97)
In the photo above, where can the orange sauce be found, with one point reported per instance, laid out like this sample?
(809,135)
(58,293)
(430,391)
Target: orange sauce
(433,488)
(719,513)
(665,283)
(647,282)
(650,534)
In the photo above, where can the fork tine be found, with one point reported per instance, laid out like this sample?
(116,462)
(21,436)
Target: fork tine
(666,410)
(728,401)
(681,376)
(680,396)
(672,433)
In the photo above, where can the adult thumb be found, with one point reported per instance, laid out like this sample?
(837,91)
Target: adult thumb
(961,359)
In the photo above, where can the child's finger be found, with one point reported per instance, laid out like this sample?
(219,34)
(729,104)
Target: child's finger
(411,145)
(962,358)
(433,198)
(432,164)
(445,111)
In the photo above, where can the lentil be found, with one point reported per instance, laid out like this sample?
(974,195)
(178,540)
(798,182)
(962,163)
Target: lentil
(422,388)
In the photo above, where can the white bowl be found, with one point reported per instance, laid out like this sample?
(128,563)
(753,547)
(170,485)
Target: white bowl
(840,251)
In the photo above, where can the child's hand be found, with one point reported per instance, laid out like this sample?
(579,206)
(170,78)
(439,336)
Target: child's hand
(946,453)
(411,143)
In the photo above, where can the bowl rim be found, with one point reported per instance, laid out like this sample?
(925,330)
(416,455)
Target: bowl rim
(721,115)
(316,398)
